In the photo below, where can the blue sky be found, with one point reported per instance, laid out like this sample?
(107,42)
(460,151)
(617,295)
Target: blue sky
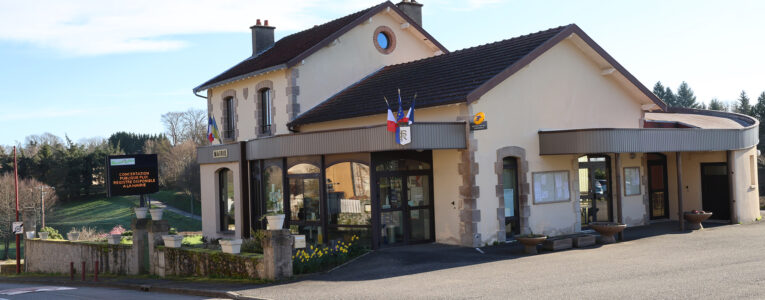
(91,68)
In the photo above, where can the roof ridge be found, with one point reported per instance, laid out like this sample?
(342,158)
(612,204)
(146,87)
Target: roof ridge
(327,23)
(463,50)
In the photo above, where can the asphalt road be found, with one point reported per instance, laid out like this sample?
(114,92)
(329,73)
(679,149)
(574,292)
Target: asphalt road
(720,262)
(39,291)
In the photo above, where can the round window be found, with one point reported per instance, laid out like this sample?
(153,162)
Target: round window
(384,40)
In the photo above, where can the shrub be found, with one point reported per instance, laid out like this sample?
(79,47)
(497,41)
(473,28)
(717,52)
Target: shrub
(52,233)
(314,259)
(90,234)
(118,230)
(255,243)
(172,231)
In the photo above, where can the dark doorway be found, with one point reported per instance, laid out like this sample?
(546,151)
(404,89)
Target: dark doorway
(658,203)
(715,188)
(403,198)
(595,196)
(510,188)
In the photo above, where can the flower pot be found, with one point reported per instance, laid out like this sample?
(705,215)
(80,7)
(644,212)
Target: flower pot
(156,214)
(43,235)
(695,218)
(607,230)
(275,222)
(172,241)
(140,212)
(73,236)
(231,246)
(530,243)
(114,239)
(30,234)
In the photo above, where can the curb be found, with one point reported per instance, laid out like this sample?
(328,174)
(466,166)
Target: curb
(137,287)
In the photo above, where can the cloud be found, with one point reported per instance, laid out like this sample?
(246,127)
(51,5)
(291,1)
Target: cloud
(94,27)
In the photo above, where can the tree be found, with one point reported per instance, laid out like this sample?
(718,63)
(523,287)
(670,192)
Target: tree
(173,122)
(716,104)
(194,126)
(31,193)
(658,90)
(743,106)
(669,97)
(685,97)
(758,111)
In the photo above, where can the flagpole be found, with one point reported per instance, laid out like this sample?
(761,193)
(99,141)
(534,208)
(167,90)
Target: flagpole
(16,187)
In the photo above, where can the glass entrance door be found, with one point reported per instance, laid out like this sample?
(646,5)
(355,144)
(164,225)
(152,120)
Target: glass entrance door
(595,196)
(510,189)
(657,186)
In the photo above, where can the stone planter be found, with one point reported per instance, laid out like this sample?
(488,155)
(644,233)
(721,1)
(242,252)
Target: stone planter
(30,234)
(275,222)
(173,241)
(140,212)
(695,218)
(156,214)
(114,239)
(607,230)
(530,243)
(73,236)
(43,235)
(231,246)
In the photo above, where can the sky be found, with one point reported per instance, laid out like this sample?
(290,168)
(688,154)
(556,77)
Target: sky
(89,68)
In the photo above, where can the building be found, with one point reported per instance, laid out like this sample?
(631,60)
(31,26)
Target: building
(569,137)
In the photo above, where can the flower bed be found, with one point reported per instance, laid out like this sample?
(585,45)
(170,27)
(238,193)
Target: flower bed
(321,258)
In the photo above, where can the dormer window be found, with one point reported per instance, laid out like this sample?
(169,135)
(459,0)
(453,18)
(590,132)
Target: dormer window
(266,117)
(228,114)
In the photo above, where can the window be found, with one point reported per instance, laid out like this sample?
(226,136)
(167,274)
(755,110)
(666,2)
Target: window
(752,170)
(551,187)
(226,200)
(228,130)
(274,189)
(266,117)
(631,181)
(384,40)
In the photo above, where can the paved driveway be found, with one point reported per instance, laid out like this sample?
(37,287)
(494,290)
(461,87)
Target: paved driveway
(719,262)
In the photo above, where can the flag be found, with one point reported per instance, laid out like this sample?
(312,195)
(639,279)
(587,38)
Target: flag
(215,130)
(409,118)
(391,120)
(401,118)
(210,136)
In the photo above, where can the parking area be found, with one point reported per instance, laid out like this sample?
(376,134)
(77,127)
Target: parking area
(657,262)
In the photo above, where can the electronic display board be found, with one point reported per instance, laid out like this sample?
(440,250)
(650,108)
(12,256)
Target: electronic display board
(134,174)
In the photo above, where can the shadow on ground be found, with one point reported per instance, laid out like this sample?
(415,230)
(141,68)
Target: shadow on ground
(414,259)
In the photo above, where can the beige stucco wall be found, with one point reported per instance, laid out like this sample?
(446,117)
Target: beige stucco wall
(634,207)
(746,194)
(210,210)
(446,113)
(562,88)
(337,66)
(446,182)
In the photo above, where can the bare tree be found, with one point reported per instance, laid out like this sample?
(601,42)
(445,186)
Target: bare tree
(195,126)
(173,122)
(31,195)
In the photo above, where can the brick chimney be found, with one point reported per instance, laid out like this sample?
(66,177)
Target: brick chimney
(412,9)
(262,37)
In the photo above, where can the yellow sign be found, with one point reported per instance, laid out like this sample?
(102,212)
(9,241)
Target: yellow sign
(479,118)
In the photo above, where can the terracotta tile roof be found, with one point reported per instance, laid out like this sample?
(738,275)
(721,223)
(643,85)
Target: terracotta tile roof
(444,79)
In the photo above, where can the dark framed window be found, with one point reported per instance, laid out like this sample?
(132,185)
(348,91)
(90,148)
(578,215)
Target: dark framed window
(349,202)
(228,130)
(226,205)
(266,117)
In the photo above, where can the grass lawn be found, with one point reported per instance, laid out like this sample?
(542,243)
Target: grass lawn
(179,200)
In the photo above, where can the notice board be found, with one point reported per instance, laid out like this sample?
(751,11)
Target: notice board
(134,174)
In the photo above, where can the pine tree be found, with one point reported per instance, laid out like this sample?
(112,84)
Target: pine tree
(669,97)
(685,97)
(743,106)
(658,90)
(716,104)
(758,111)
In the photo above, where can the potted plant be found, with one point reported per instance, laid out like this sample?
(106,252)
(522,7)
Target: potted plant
(43,235)
(530,242)
(140,212)
(30,234)
(275,220)
(73,235)
(173,240)
(695,217)
(114,239)
(231,246)
(156,213)
(607,230)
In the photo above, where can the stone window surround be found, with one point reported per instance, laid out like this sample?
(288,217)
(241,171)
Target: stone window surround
(265,84)
(230,93)
(391,39)
(523,189)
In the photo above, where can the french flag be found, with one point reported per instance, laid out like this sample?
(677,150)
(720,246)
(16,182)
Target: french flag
(391,120)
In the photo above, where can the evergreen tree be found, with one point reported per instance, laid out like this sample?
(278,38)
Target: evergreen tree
(685,97)
(658,90)
(758,111)
(669,97)
(743,106)
(716,104)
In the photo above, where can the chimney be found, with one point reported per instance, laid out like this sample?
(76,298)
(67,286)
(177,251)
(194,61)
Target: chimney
(412,9)
(262,37)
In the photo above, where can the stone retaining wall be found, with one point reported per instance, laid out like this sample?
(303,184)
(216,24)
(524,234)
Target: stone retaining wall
(206,263)
(54,256)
